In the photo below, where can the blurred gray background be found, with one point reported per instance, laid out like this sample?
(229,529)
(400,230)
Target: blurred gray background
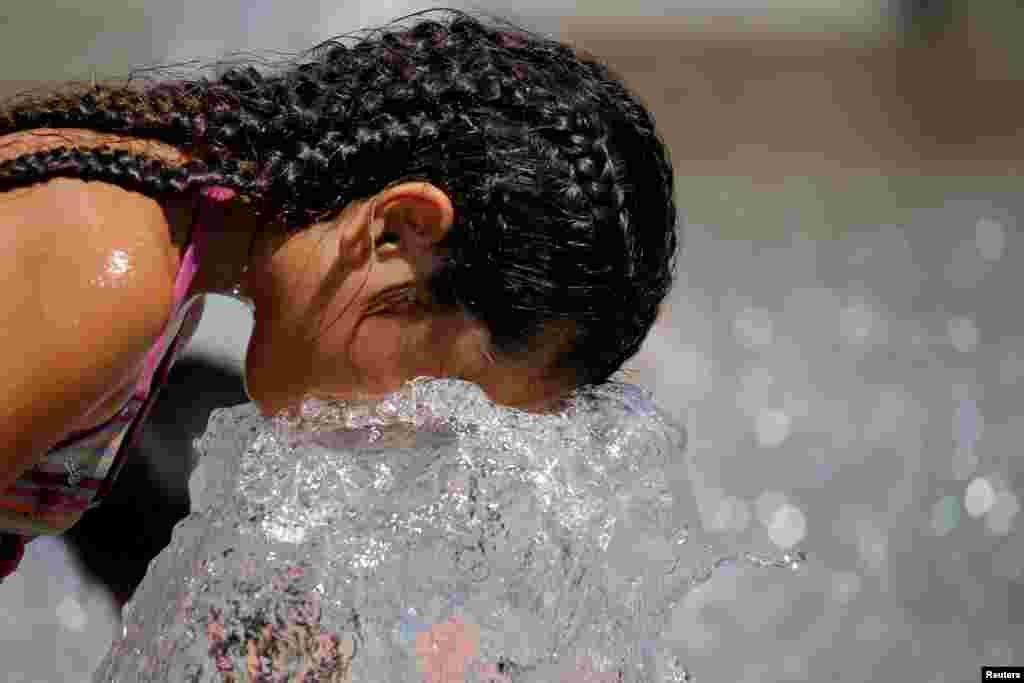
(843,345)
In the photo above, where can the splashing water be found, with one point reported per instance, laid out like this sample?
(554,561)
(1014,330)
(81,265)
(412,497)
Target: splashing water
(430,536)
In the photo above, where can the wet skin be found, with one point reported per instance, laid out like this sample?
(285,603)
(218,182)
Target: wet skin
(340,308)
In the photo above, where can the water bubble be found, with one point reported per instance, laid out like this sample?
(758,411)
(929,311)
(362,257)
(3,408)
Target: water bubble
(979,497)
(677,673)
(963,334)
(990,238)
(792,560)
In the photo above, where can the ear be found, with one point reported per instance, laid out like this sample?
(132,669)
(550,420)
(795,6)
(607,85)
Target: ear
(418,214)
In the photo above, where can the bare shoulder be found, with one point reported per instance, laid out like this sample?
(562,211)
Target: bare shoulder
(140,212)
(74,242)
(88,272)
(94,234)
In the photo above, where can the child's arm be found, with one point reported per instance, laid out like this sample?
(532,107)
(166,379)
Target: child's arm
(83,297)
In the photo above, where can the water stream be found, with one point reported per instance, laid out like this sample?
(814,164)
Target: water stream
(430,536)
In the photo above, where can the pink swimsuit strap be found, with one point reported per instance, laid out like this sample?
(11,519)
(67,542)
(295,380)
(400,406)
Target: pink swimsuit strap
(198,245)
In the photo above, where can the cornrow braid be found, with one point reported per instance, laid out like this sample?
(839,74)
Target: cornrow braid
(170,111)
(139,173)
(561,186)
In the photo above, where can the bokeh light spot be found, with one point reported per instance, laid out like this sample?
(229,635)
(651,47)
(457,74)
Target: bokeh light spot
(71,615)
(772,428)
(979,497)
(788,526)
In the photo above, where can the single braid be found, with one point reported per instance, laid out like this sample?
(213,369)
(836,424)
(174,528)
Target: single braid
(171,112)
(144,174)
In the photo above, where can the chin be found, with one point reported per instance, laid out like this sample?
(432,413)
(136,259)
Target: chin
(268,405)
(260,386)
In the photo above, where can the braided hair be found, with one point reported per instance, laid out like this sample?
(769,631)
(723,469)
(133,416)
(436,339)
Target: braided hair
(562,188)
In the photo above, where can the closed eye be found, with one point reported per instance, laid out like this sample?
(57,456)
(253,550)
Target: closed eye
(403,306)
(398,300)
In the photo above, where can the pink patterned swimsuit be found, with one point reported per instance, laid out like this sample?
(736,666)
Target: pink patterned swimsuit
(79,472)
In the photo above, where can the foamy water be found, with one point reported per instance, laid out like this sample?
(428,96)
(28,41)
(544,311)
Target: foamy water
(431,536)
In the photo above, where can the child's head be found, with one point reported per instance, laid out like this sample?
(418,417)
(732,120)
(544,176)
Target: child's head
(546,190)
